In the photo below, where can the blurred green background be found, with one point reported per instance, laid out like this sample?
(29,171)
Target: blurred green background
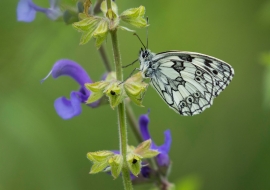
(225,148)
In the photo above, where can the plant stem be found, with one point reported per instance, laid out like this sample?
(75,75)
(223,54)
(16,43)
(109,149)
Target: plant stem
(121,112)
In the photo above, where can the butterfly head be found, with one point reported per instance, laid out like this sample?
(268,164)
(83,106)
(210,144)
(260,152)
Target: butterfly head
(145,58)
(145,55)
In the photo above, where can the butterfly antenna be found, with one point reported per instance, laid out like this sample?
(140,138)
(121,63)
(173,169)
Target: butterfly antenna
(140,40)
(147,32)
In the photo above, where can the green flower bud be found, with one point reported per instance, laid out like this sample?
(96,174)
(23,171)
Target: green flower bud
(116,163)
(70,16)
(110,14)
(103,8)
(134,17)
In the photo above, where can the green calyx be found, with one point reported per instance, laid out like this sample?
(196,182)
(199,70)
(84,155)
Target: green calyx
(133,88)
(135,17)
(98,27)
(100,160)
(104,161)
(135,156)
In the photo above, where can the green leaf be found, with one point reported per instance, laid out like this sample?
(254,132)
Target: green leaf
(134,163)
(116,163)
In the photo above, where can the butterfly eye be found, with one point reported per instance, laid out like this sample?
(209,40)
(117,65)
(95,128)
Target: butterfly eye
(198,72)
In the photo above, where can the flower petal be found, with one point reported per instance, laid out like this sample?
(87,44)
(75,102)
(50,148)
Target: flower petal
(68,108)
(167,142)
(66,67)
(25,12)
(162,158)
(143,122)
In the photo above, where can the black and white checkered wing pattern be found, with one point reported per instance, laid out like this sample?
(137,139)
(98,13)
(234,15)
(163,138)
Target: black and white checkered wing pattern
(188,82)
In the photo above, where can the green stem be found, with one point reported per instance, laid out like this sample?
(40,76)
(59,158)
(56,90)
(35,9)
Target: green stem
(121,113)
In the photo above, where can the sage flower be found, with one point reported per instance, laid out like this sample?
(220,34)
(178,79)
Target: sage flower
(163,156)
(68,108)
(27,9)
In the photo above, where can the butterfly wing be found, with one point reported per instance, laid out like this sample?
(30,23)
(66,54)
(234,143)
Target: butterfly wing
(188,82)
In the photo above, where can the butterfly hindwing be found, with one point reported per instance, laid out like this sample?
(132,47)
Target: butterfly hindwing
(188,82)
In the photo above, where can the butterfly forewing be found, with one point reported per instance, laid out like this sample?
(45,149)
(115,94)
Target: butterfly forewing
(188,82)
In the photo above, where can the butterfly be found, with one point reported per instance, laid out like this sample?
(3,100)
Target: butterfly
(188,82)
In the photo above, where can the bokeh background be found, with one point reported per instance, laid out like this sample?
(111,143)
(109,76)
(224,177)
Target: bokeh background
(224,148)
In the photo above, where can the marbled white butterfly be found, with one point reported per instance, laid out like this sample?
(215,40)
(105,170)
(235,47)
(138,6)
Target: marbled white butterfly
(188,82)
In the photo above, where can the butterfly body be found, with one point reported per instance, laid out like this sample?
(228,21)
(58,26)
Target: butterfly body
(187,81)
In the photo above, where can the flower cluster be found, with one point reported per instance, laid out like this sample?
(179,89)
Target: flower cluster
(98,27)
(106,160)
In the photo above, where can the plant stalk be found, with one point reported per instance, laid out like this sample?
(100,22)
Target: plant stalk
(122,125)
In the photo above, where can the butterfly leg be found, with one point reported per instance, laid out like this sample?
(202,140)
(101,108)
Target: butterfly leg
(125,66)
(129,75)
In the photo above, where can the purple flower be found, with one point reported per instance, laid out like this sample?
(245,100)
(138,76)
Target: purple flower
(26,10)
(69,108)
(163,157)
